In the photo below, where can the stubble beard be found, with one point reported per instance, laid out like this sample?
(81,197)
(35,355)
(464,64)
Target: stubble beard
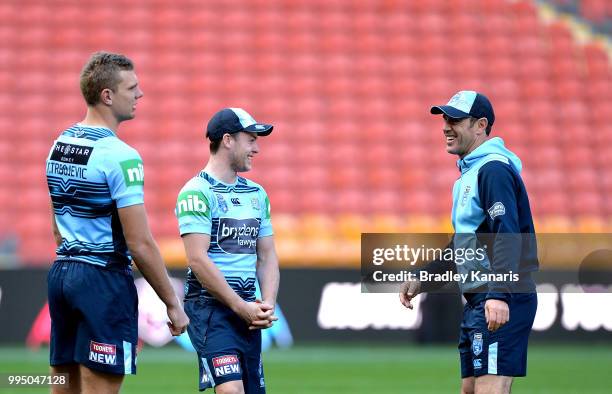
(238,164)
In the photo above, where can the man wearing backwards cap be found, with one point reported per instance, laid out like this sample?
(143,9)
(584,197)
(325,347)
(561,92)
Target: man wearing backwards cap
(224,221)
(489,200)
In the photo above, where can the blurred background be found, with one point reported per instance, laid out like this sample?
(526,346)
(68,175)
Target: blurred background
(348,86)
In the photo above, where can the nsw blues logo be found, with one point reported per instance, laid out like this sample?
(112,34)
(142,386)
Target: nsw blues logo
(497,209)
(477,344)
(221,203)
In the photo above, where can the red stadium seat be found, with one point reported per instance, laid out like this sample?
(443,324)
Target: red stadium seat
(549,156)
(583,179)
(384,201)
(313,176)
(347,176)
(381,178)
(349,201)
(546,204)
(314,200)
(587,203)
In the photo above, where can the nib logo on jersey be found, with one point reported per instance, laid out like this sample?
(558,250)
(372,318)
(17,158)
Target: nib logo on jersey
(102,353)
(133,172)
(226,365)
(238,236)
(192,203)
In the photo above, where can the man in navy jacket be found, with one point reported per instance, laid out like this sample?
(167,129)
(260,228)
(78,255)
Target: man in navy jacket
(491,212)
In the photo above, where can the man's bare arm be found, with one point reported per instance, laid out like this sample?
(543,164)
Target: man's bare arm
(149,261)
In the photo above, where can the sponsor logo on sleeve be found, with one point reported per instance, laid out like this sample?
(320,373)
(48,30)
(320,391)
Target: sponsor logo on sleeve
(477,344)
(192,203)
(238,236)
(133,172)
(102,353)
(496,210)
(226,365)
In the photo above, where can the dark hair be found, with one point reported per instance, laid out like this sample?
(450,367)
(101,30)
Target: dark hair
(102,72)
(489,126)
(214,145)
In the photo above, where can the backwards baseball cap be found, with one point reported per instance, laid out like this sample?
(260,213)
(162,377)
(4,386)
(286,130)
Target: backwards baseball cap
(467,103)
(234,120)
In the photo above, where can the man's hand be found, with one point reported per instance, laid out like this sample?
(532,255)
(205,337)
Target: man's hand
(178,320)
(497,313)
(257,314)
(409,290)
(268,307)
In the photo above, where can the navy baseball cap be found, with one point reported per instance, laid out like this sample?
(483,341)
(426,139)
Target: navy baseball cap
(467,103)
(234,120)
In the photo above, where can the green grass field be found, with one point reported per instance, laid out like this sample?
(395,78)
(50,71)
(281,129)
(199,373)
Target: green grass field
(353,369)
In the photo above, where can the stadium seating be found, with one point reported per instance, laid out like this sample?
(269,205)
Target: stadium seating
(348,85)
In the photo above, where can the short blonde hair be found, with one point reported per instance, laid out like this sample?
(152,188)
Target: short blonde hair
(102,72)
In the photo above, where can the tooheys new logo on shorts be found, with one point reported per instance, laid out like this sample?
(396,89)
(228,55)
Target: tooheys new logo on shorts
(102,353)
(133,172)
(238,236)
(192,203)
(226,365)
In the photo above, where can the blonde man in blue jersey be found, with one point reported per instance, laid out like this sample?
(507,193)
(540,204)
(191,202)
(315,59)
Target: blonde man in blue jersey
(224,221)
(100,226)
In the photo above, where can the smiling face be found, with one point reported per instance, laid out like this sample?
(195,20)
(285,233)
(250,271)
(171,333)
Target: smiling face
(243,148)
(463,135)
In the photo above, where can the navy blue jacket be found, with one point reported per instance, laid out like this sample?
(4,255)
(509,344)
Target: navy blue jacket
(491,210)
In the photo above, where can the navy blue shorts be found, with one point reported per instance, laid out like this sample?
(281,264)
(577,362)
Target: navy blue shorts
(503,352)
(227,350)
(94,317)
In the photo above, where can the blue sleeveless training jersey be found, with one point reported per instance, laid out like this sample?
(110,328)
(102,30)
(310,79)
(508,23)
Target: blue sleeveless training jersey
(235,216)
(91,173)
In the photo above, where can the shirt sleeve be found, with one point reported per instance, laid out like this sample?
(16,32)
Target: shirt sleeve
(124,172)
(265,228)
(194,211)
(497,187)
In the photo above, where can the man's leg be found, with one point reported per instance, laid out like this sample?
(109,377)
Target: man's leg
(233,387)
(95,382)
(74,379)
(493,384)
(467,385)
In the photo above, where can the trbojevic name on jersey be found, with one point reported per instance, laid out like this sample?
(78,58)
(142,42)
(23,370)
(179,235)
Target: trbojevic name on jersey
(235,216)
(91,173)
